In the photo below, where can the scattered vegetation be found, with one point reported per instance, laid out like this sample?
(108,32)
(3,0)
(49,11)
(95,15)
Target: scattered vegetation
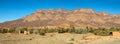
(72,39)
(71,29)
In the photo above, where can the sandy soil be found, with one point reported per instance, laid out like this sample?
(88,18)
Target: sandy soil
(55,38)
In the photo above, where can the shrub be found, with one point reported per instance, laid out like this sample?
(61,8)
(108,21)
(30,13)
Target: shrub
(62,30)
(72,39)
(42,33)
(78,31)
(11,31)
(23,29)
(0,30)
(101,32)
(71,29)
(31,31)
(114,29)
(4,30)
(17,31)
(81,31)
(51,30)
(36,31)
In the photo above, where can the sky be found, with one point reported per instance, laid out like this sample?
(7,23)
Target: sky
(15,9)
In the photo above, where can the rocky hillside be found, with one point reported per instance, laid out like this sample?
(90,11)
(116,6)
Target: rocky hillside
(65,18)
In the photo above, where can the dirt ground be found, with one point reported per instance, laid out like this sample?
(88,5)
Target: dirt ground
(56,38)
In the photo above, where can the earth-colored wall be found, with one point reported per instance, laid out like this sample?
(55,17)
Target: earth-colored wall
(116,33)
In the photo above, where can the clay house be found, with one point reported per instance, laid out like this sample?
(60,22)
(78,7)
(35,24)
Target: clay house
(26,32)
(116,33)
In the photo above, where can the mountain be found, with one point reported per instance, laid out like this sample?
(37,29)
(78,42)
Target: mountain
(64,18)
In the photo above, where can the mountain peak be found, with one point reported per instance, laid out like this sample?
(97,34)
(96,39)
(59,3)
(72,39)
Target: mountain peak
(82,10)
(47,14)
(102,13)
(41,10)
(79,17)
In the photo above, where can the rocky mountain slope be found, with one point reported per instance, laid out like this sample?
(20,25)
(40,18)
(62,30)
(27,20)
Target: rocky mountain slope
(65,18)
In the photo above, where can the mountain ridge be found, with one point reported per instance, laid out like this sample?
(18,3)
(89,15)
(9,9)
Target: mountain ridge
(63,18)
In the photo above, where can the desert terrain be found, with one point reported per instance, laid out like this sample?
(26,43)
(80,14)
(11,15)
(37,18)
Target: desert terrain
(57,38)
(66,23)
(59,22)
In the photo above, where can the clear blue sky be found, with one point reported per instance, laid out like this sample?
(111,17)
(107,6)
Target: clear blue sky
(15,9)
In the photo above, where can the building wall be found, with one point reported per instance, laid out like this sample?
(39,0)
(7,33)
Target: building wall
(116,33)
